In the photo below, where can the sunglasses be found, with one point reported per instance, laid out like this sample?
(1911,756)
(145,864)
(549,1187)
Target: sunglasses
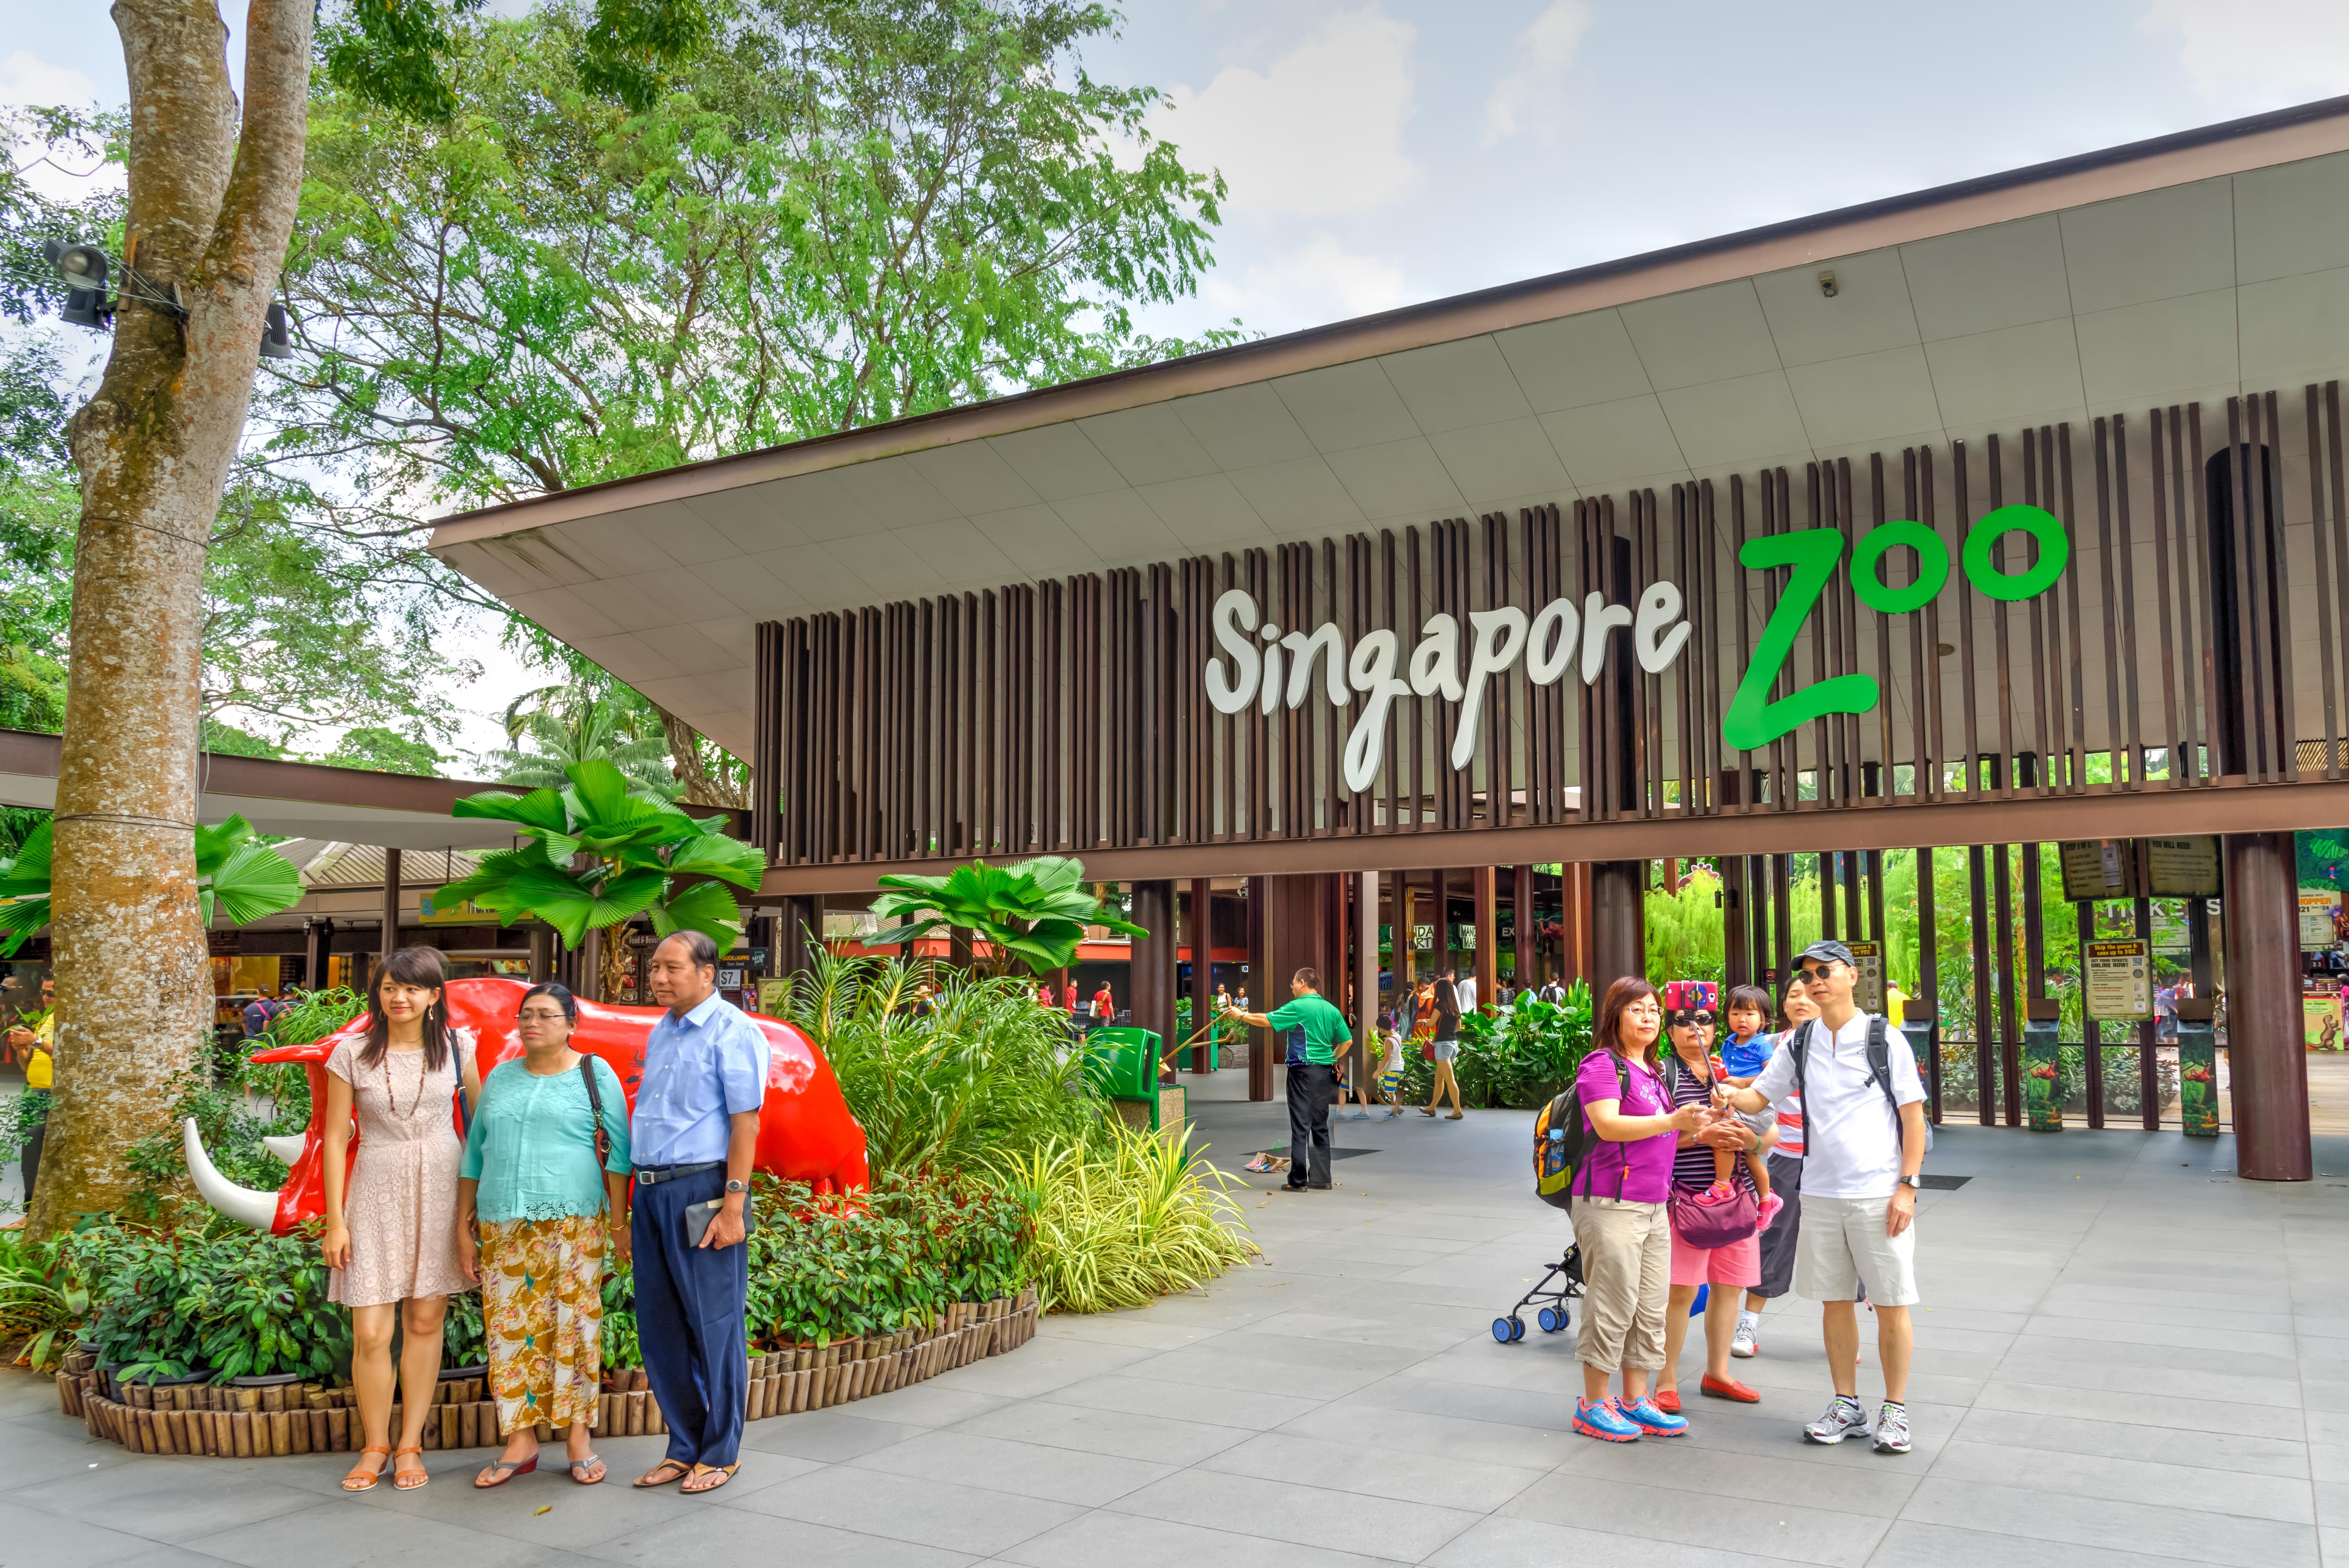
(1682,1018)
(1810,975)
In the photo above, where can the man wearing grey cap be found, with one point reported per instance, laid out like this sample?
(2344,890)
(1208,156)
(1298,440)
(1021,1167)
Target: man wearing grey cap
(1864,1129)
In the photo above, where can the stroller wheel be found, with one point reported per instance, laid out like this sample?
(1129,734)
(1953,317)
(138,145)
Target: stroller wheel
(1516,1327)
(1501,1333)
(1552,1319)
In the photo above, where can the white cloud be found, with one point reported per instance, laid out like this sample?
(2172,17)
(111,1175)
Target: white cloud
(27,78)
(2287,48)
(1546,48)
(1320,282)
(1318,134)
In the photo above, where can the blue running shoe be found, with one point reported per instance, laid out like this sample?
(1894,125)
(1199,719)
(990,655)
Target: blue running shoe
(1651,1421)
(1604,1419)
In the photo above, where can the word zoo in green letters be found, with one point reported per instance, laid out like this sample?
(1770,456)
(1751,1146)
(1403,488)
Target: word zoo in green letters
(1754,720)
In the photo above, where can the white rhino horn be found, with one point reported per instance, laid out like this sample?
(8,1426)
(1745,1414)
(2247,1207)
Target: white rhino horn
(286,1146)
(242,1204)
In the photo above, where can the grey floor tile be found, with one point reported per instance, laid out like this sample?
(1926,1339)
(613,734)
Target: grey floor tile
(1023,1468)
(1446,1481)
(1910,1545)
(2059,1517)
(1848,1479)
(30,1537)
(722,1533)
(172,1504)
(1704,1519)
(1506,1542)
(576,1517)
(2182,1412)
(1251,1409)
(1039,1368)
(1421,1432)
(929,1405)
(1309,1515)
(1136,1541)
(1160,1440)
(327,1536)
(902,1508)
(826,1436)
(2083,1431)
(2131,1480)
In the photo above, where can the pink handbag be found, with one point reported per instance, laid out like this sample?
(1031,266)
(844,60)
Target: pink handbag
(1706,1226)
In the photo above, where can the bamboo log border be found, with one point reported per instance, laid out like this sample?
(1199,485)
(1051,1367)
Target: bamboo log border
(218,1421)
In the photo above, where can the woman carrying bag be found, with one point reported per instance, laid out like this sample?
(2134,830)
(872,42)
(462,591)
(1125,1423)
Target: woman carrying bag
(391,1227)
(544,1180)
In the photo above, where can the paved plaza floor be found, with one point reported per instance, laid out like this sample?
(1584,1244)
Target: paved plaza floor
(2128,1354)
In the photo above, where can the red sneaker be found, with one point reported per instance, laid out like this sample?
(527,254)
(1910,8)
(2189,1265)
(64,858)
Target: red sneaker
(1668,1400)
(1727,1389)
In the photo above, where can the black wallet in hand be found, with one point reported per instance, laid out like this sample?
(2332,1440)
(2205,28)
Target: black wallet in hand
(698,1218)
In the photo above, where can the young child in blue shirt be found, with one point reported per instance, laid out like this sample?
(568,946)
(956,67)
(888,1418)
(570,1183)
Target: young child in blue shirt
(1747,1050)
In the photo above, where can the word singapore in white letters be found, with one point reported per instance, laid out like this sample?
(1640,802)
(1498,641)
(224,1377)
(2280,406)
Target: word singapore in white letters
(1554,641)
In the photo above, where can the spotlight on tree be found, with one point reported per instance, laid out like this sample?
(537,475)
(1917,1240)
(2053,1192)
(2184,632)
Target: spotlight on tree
(277,341)
(83,267)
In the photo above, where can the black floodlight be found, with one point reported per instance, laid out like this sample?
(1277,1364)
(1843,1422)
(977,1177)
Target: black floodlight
(277,341)
(83,267)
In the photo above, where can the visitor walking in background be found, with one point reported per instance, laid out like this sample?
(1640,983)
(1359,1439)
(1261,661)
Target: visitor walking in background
(1444,1043)
(1778,1239)
(391,1231)
(33,1038)
(1620,1220)
(544,1177)
(695,1130)
(1864,1145)
(1311,1030)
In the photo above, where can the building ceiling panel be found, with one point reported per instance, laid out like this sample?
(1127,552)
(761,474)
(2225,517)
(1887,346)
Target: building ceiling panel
(1452,386)
(1346,405)
(689,651)
(817,507)
(1037,542)
(751,586)
(1397,477)
(2296,328)
(1608,442)
(1721,424)
(1713,334)
(624,602)
(2016,375)
(646,538)
(1510,457)
(820,579)
(563,612)
(748,519)
(1058,462)
(1574,361)
(2145,354)
(974,476)
(629,657)
(1981,280)
(894,490)
(2292,218)
(1866,397)
(958,551)
(889,568)
(1869,312)
(1244,427)
(2156,246)
(1204,512)
(506,566)
(1148,445)
(1119,526)
(1298,497)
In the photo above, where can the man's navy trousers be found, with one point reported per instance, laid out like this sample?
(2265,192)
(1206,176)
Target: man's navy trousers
(690,1305)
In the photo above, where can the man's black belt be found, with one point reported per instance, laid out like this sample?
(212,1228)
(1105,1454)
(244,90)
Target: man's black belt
(654,1175)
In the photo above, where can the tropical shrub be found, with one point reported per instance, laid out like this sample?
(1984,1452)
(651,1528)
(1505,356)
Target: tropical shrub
(165,1303)
(620,1346)
(41,1299)
(1035,912)
(1519,1060)
(1123,1218)
(237,875)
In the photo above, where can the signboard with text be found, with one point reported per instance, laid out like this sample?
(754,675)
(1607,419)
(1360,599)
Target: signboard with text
(2120,981)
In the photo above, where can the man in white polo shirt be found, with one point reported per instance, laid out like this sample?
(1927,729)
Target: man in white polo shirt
(1863,1131)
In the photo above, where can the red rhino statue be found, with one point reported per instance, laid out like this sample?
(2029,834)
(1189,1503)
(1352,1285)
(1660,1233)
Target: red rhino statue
(805,1131)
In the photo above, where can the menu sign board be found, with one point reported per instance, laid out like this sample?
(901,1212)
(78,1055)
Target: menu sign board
(1868,991)
(2120,981)
(2099,868)
(2183,868)
(2319,910)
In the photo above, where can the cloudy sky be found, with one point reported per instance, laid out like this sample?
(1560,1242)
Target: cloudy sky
(1391,151)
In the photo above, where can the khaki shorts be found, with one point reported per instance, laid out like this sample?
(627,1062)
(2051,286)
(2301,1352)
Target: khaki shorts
(1627,1267)
(1843,1246)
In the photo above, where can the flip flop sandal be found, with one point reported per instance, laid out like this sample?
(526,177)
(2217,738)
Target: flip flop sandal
(647,1480)
(413,1479)
(575,1466)
(364,1481)
(504,1471)
(724,1473)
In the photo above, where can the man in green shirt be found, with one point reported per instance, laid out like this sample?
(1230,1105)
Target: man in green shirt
(1312,1030)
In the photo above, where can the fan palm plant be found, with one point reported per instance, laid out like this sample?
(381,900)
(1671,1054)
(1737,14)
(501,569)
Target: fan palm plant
(598,855)
(570,725)
(237,873)
(1033,912)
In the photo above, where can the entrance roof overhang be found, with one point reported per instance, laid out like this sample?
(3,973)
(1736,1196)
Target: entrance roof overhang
(2190,266)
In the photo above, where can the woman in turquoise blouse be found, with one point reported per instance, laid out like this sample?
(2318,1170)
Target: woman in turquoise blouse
(543,1203)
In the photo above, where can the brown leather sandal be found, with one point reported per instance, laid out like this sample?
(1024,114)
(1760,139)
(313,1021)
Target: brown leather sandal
(409,1481)
(723,1472)
(364,1481)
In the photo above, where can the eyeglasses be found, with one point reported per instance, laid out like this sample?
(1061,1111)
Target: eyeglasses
(1809,975)
(539,1017)
(1682,1017)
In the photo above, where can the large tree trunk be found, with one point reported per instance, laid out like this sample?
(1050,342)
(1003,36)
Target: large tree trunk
(685,761)
(211,208)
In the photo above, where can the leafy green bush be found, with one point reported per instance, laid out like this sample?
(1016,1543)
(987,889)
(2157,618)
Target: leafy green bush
(978,1238)
(1123,1219)
(41,1298)
(165,1303)
(1519,1060)
(619,1341)
(826,1269)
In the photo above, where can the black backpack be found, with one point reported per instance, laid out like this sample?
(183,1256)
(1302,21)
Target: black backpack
(1562,1135)
(1879,1065)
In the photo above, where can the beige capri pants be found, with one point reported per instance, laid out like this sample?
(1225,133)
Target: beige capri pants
(1626,1276)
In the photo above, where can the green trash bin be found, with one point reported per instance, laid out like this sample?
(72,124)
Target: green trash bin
(1122,1064)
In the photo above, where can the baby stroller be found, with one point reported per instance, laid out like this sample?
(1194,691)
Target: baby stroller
(1551,1315)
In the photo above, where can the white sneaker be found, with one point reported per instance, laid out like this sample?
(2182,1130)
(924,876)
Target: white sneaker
(1748,1341)
(1844,1418)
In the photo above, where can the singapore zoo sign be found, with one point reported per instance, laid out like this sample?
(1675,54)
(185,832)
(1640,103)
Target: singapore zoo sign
(1261,665)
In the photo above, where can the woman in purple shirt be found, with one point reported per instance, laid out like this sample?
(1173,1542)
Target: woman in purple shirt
(1620,1221)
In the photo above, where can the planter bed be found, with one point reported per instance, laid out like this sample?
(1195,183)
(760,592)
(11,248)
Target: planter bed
(312,1418)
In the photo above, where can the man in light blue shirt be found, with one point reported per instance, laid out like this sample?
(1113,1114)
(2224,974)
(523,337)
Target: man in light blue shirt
(693,1134)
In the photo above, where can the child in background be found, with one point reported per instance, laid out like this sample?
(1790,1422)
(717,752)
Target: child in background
(1747,1050)
(1391,1066)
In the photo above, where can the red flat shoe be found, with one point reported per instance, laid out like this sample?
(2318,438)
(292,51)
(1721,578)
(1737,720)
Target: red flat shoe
(1729,1388)
(1668,1400)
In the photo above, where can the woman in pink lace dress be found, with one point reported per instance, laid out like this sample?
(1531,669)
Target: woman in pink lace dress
(391,1238)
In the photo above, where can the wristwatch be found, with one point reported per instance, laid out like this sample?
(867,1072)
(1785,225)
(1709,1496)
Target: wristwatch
(1912,1181)
(738,1186)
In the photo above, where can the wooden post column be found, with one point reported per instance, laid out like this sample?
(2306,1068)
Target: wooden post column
(1488,935)
(1152,982)
(1524,917)
(1618,924)
(389,940)
(2266,1058)
(1260,968)
(318,951)
(1366,977)
(1202,968)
